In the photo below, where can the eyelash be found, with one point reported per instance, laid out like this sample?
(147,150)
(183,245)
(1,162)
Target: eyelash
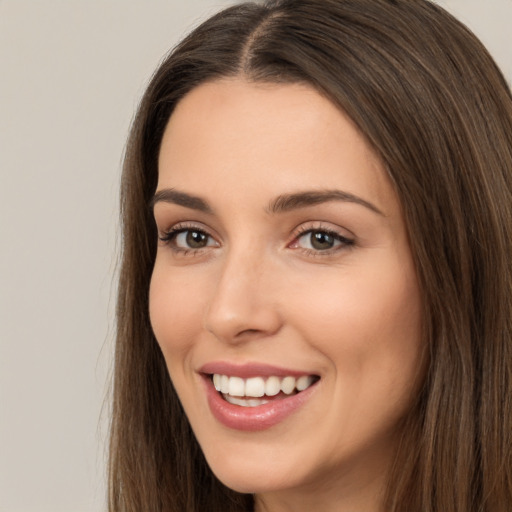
(344,242)
(169,237)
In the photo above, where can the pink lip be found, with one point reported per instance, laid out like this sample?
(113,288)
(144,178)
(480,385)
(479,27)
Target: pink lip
(245,371)
(253,418)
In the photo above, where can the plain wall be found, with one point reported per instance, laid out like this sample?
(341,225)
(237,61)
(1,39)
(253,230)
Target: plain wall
(71,74)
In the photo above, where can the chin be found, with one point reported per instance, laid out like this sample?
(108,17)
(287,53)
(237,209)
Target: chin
(252,477)
(251,484)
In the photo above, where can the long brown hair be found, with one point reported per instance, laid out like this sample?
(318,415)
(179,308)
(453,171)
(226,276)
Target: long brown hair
(431,101)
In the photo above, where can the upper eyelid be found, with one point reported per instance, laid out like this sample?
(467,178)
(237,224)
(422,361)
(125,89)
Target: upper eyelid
(332,232)
(186,225)
(335,234)
(306,227)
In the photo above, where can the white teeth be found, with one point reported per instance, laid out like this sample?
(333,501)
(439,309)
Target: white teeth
(224,384)
(288,385)
(244,403)
(304,382)
(236,386)
(257,387)
(272,386)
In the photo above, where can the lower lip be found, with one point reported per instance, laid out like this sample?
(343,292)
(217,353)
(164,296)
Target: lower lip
(257,418)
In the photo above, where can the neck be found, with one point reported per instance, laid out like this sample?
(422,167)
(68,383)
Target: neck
(334,496)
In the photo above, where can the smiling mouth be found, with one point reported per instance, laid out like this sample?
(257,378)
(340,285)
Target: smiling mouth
(256,391)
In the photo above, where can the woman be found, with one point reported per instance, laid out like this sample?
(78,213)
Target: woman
(315,295)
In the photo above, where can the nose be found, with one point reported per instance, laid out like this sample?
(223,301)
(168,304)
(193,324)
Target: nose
(243,304)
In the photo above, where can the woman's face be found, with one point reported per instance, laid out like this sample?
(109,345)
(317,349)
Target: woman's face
(284,278)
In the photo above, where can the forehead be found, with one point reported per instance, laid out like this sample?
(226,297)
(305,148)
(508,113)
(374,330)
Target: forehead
(263,110)
(233,133)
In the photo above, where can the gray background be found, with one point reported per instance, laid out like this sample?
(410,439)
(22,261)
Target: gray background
(71,74)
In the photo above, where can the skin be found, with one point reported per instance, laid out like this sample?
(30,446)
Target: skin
(260,291)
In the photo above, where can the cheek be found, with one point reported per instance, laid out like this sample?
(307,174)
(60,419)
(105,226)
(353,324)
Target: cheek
(174,309)
(368,324)
(368,328)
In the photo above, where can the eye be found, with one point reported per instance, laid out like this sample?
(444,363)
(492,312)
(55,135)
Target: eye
(321,240)
(188,239)
(192,239)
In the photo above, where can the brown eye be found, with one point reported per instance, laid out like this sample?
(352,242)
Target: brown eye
(321,241)
(183,239)
(318,240)
(194,239)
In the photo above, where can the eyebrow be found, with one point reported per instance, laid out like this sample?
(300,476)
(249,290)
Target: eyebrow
(173,196)
(281,204)
(287,202)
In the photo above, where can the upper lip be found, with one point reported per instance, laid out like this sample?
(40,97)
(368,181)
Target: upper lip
(248,370)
